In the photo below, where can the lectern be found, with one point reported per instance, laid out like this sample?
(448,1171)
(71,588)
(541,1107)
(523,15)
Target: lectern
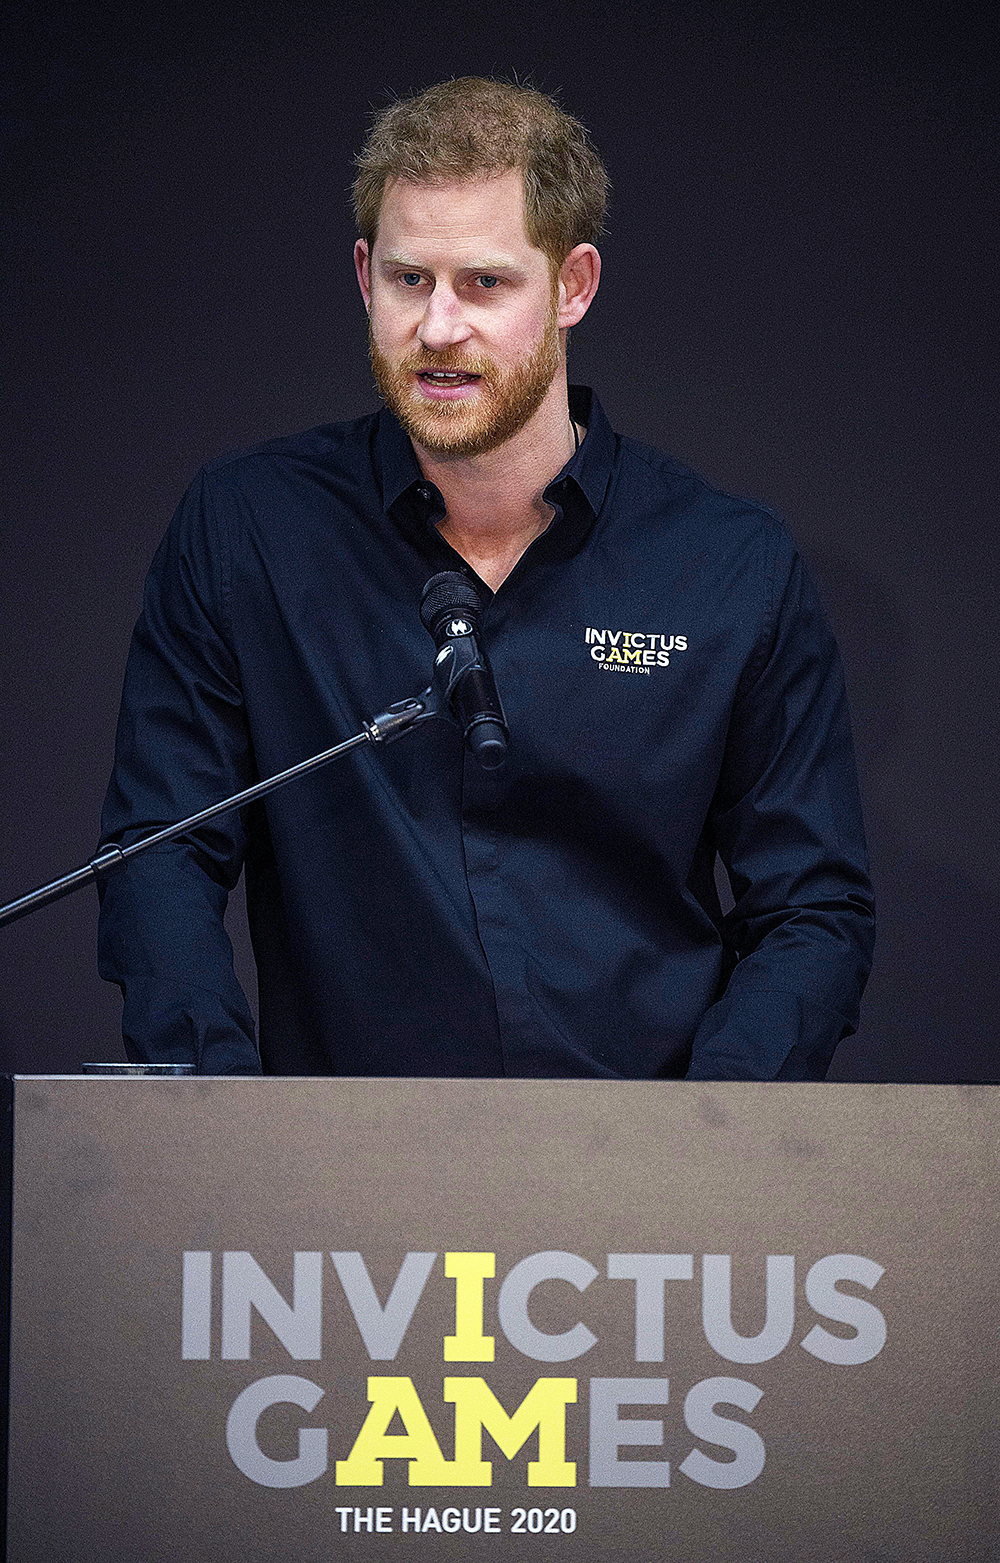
(462,1319)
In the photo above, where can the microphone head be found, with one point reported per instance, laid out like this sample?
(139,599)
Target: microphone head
(450,609)
(450,596)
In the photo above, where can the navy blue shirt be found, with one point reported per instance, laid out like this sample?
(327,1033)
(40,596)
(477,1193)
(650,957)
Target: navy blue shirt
(672,690)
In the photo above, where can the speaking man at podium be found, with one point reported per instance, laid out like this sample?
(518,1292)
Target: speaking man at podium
(670,687)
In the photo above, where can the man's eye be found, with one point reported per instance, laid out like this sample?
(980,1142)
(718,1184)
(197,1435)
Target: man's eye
(488,281)
(411,278)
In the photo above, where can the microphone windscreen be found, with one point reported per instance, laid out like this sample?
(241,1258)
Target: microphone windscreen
(448,595)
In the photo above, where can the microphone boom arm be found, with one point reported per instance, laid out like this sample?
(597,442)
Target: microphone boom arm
(383,728)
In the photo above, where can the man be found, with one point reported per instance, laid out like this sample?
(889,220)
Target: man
(670,687)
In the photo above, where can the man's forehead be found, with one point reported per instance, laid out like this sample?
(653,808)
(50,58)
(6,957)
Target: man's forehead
(507,183)
(460,209)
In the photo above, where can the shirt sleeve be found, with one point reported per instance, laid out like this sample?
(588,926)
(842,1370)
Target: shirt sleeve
(786,819)
(182,743)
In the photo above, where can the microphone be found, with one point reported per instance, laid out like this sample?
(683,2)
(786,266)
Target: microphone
(450,609)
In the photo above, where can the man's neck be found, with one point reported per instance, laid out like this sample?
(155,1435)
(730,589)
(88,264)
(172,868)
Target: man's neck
(494,504)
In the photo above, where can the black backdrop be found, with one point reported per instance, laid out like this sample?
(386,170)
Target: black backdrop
(797,300)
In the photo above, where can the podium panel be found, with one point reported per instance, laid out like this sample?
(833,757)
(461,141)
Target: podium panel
(454,1319)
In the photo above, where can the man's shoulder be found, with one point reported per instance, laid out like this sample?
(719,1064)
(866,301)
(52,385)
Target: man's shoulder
(335,444)
(672,487)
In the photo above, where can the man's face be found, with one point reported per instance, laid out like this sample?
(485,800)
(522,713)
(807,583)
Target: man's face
(455,288)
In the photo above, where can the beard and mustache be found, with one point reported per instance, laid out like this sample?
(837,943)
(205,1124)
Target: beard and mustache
(506,400)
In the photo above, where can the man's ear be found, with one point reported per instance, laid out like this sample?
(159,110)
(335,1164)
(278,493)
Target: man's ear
(362,265)
(579,276)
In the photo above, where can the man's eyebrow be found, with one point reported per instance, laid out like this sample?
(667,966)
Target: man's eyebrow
(488,263)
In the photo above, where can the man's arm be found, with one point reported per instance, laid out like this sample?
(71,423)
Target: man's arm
(182,743)
(787,823)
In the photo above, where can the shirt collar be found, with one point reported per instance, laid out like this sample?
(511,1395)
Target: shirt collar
(578,490)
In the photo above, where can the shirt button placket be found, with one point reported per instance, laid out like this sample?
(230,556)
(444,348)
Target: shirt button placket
(484,856)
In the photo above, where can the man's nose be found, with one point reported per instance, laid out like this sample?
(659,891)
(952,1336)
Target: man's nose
(443,323)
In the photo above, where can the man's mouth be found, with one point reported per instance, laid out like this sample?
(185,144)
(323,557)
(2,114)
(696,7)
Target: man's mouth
(445,376)
(447,385)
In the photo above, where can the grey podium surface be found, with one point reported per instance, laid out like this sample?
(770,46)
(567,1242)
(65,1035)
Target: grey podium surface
(437,1319)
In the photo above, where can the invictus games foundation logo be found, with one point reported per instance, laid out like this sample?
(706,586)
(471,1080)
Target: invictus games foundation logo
(632,651)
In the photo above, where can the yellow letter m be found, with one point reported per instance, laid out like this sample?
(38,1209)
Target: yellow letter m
(544,1408)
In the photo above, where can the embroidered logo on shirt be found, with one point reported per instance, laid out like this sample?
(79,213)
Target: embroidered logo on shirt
(632,651)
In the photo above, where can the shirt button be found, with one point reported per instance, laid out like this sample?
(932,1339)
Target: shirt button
(423,491)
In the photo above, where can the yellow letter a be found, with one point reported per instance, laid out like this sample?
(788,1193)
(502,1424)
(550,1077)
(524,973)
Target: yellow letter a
(374,1443)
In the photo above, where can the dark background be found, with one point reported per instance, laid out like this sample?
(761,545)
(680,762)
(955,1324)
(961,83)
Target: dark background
(797,300)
